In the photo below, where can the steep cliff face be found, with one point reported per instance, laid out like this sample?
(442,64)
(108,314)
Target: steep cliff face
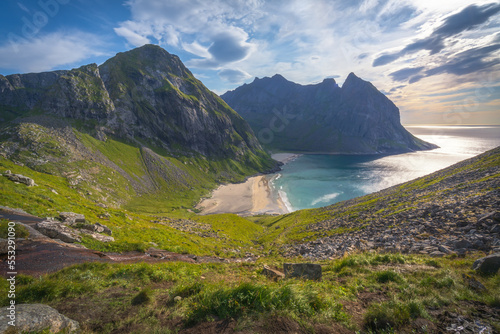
(354,118)
(145,94)
(157,98)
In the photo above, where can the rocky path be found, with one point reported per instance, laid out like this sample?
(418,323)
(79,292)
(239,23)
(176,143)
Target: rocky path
(39,254)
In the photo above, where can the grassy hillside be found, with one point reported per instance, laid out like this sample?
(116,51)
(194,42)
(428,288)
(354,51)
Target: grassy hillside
(368,292)
(471,187)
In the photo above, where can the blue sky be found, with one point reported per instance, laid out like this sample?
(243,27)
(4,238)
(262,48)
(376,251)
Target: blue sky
(438,60)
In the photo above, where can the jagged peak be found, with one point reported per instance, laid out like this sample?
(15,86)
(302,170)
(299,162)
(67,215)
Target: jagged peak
(275,78)
(278,77)
(353,81)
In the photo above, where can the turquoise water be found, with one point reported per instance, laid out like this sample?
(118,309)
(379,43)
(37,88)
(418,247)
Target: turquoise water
(312,181)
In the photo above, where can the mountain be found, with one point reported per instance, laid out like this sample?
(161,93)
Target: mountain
(141,115)
(354,118)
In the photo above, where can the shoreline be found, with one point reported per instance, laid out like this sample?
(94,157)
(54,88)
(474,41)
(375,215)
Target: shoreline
(252,197)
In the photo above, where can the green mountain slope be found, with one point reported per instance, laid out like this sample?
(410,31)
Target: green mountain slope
(137,132)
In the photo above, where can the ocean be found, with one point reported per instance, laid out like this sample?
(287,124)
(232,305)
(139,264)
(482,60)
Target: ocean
(311,181)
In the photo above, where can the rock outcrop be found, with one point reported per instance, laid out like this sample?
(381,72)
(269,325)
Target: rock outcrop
(31,318)
(355,118)
(302,270)
(488,264)
(19,178)
(271,273)
(57,230)
(71,227)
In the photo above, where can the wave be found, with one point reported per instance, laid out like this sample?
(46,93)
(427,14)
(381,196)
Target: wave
(284,199)
(326,198)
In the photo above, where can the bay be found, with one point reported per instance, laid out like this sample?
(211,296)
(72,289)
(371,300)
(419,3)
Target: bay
(311,181)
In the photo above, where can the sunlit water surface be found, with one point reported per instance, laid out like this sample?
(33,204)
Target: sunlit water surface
(312,181)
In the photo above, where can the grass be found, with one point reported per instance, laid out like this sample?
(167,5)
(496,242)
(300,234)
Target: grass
(19,230)
(144,295)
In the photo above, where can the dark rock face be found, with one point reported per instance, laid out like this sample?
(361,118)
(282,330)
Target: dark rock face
(145,94)
(488,265)
(302,270)
(356,118)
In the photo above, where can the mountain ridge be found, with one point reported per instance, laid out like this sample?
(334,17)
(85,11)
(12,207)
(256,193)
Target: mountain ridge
(323,117)
(141,118)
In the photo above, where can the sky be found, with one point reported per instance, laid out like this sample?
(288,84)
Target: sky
(437,60)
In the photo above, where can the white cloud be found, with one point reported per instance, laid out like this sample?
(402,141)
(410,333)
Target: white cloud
(234,75)
(131,36)
(205,29)
(302,40)
(49,51)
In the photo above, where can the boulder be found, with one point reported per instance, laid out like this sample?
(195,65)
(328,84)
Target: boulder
(444,249)
(463,244)
(56,230)
(272,273)
(495,229)
(20,178)
(302,270)
(37,318)
(437,254)
(488,264)
(103,229)
(71,217)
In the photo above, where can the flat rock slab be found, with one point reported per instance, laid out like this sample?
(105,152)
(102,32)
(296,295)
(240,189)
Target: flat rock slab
(272,273)
(36,318)
(302,270)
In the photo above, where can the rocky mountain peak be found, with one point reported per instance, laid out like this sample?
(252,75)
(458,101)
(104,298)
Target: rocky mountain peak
(146,94)
(356,118)
(354,82)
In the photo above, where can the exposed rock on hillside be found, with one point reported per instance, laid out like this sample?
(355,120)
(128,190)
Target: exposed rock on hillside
(31,318)
(455,210)
(356,118)
(138,124)
(143,93)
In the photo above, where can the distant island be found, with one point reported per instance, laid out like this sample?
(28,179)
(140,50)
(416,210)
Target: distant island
(323,118)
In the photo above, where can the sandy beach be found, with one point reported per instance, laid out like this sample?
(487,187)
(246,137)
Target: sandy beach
(252,197)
